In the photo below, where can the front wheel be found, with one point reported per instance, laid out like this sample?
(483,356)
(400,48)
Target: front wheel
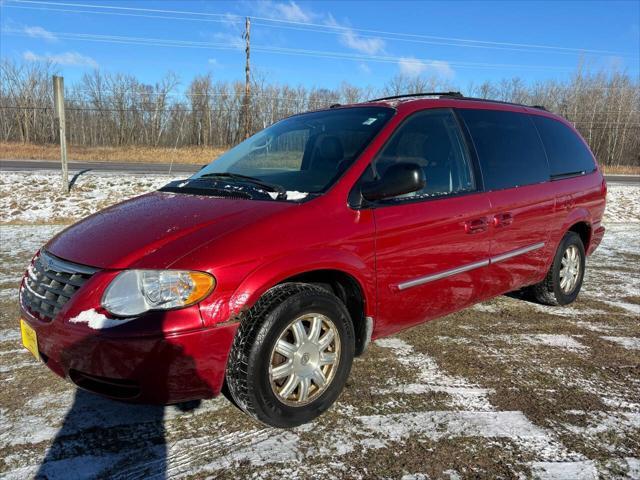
(291,356)
(564,279)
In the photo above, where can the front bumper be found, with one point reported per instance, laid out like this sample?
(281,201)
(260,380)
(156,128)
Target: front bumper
(159,369)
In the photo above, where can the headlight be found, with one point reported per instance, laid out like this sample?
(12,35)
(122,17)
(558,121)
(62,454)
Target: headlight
(136,291)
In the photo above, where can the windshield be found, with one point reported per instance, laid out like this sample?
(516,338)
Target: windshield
(305,153)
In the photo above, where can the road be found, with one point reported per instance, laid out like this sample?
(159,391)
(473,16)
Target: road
(99,166)
(166,168)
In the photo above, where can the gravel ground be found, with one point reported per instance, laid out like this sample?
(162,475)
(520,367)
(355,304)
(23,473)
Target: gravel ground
(506,389)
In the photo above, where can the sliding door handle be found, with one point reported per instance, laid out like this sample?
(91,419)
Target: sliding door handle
(476,225)
(502,220)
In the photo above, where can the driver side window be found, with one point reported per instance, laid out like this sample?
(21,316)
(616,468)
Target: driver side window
(432,140)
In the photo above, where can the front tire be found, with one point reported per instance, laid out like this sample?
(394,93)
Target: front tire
(564,279)
(291,355)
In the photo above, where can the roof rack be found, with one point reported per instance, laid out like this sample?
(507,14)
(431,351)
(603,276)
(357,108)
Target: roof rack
(421,94)
(457,95)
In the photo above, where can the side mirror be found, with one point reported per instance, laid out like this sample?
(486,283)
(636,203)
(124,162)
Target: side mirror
(400,178)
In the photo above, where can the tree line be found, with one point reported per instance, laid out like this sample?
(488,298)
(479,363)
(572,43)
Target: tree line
(105,109)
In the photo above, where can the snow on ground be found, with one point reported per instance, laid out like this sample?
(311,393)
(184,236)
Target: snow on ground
(632,343)
(505,389)
(28,198)
(623,204)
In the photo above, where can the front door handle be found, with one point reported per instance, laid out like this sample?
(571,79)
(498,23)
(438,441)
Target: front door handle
(502,220)
(476,225)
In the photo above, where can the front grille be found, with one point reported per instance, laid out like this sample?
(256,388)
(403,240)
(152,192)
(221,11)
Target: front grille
(50,283)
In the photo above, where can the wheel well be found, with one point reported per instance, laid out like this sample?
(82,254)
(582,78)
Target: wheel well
(348,290)
(584,230)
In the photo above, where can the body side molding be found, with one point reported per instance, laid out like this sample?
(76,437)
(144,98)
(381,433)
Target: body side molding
(466,268)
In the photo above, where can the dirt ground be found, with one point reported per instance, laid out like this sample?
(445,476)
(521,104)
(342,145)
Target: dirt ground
(505,389)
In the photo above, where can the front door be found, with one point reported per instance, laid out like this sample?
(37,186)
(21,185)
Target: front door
(432,246)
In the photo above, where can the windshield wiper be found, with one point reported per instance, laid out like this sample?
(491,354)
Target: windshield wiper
(271,187)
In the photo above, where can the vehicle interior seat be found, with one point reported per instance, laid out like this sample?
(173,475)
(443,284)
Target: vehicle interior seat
(438,163)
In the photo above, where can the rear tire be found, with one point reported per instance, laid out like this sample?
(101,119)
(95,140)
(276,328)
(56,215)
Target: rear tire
(564,279)
(313,329)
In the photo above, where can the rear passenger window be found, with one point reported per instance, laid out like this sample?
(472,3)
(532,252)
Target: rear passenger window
(567,153)
(508,146)
(433,140)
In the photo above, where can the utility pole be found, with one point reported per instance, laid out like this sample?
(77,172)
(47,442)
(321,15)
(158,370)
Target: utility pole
(58,101)
(247,82)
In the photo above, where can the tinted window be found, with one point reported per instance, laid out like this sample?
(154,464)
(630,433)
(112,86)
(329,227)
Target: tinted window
(566,152)
(431,139)
(508,147)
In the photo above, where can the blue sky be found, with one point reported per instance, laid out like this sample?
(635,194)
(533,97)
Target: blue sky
(323,43)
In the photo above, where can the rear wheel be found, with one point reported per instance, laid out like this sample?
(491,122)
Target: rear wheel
(564,279)
(291,356)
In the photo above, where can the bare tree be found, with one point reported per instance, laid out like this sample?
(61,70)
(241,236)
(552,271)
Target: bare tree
(115,109)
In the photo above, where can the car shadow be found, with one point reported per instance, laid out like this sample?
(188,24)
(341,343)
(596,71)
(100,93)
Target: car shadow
(101,437)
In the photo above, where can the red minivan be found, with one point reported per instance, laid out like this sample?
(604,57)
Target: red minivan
(265,273)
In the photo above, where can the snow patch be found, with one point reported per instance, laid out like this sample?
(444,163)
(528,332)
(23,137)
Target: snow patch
(98,321)
(623,204)
(584,470)
(543,339)
(443,424)
(295,195)
(462,394)
(631,343)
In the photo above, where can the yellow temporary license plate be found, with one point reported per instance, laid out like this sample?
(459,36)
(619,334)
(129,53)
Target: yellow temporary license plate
(29,338)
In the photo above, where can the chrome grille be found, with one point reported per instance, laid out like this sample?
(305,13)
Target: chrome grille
(49,283)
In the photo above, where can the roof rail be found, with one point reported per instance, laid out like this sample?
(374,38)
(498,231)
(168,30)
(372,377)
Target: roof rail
(477,99)
(421,94)
(457,95)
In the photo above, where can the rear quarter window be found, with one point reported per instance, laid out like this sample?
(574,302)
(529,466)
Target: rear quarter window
(567,153)
(508,146)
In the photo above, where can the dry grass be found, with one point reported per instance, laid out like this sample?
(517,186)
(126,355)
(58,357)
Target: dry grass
(191,155)
(621,169)
(140,154)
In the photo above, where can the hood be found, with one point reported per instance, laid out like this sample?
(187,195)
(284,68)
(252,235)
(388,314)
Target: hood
(156,229)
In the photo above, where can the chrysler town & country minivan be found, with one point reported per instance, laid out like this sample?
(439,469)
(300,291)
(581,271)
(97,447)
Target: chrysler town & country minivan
(263,275)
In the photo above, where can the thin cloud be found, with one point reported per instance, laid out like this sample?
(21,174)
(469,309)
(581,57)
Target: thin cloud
(292,12)
(39,32)
(413,67)
(350,39)
(288,11)
(364,68)
(71,59)
(369,46)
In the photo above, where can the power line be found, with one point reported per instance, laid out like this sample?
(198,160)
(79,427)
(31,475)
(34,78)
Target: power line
(298,28)
(327,26)
(158,42)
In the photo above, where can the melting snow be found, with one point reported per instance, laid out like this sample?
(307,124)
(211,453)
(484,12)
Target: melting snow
(295,195)
(583,470)
(543,339)
(463,394)
(623,204)
(632,343)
